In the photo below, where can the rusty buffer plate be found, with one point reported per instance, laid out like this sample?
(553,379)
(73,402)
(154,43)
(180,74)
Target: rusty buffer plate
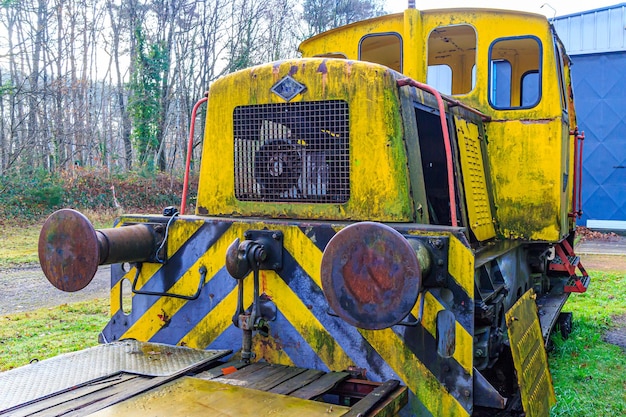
(68,250)
(370,275)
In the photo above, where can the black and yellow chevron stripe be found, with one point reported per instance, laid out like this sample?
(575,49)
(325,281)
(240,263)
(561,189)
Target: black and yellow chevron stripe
(303,334)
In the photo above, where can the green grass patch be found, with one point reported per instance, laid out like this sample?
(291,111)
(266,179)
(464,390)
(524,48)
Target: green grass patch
(48,332)
(589,374)
(18,245)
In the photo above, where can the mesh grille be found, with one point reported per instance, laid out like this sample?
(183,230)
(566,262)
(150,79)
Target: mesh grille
(292,152)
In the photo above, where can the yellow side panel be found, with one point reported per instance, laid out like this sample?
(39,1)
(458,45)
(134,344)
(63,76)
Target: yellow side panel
(527,177)
(529,357)
(478,207)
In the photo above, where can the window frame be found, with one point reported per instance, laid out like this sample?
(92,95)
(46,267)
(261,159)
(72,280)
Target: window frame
(540,70)
(455,73)
(380,34)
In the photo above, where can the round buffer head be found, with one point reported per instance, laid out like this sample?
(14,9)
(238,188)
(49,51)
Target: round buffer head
(370,275)
(68,250)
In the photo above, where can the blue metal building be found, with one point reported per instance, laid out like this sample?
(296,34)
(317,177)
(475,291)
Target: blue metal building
(596,43)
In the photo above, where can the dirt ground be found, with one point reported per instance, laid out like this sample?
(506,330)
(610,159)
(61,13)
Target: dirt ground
(615,263)
(27,289)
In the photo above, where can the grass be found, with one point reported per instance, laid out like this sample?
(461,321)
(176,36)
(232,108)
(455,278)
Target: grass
(589,374)
(18,245)
(48,332)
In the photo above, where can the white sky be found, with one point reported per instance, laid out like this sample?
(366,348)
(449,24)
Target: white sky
(562,7)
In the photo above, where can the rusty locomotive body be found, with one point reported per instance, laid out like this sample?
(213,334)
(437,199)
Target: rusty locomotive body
(376,226)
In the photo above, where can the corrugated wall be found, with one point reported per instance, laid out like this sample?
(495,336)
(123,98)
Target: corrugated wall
(596,42)
(593,31)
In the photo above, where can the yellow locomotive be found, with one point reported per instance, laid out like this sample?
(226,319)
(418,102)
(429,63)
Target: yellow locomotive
(377,224)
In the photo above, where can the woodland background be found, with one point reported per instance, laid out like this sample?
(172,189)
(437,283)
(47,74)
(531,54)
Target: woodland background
(106,87)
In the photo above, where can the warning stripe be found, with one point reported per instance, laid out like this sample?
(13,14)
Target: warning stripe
(311,263)
(149,318)
(463,352)
(461,266)
(416,376)
(297,294)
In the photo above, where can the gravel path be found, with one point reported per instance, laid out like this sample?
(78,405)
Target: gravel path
(26,289)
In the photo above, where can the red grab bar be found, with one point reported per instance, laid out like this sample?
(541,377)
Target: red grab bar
(446,140)
(192,129)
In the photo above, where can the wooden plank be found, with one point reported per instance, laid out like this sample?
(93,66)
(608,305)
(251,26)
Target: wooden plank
(239,377)
(276,378)
(219,370)
(99,387)
(367,403)
(260,375)
(392,405)
(321,385)
(297,382)
(91,398)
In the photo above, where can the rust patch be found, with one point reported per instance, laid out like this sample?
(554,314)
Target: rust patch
(370,275)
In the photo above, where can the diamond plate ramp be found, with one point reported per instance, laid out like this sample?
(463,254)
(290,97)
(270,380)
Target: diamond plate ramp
(529,357)
(47,377)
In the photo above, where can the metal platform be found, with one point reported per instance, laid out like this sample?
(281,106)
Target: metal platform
(41,379)
(133,379)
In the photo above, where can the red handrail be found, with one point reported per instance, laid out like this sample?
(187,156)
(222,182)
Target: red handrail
(577,205)
(192,129)
(581,138)
(446,140)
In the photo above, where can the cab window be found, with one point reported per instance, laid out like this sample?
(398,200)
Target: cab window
(440,77)
(515,73)
(382,48)
(452,59)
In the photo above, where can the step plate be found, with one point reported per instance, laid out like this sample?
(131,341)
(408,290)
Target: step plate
(529,357)
(47,377)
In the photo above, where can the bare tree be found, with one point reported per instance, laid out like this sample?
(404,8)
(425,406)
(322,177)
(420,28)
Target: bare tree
(66,82)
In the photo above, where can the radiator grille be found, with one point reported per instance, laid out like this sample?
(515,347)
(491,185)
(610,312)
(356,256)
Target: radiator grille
(292,152)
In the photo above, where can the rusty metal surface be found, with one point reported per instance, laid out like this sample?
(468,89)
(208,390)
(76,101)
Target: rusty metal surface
(370,275)
(134,243)
(68,250)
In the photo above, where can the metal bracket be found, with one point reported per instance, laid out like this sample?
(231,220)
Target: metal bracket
(202,270)
(272,243)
